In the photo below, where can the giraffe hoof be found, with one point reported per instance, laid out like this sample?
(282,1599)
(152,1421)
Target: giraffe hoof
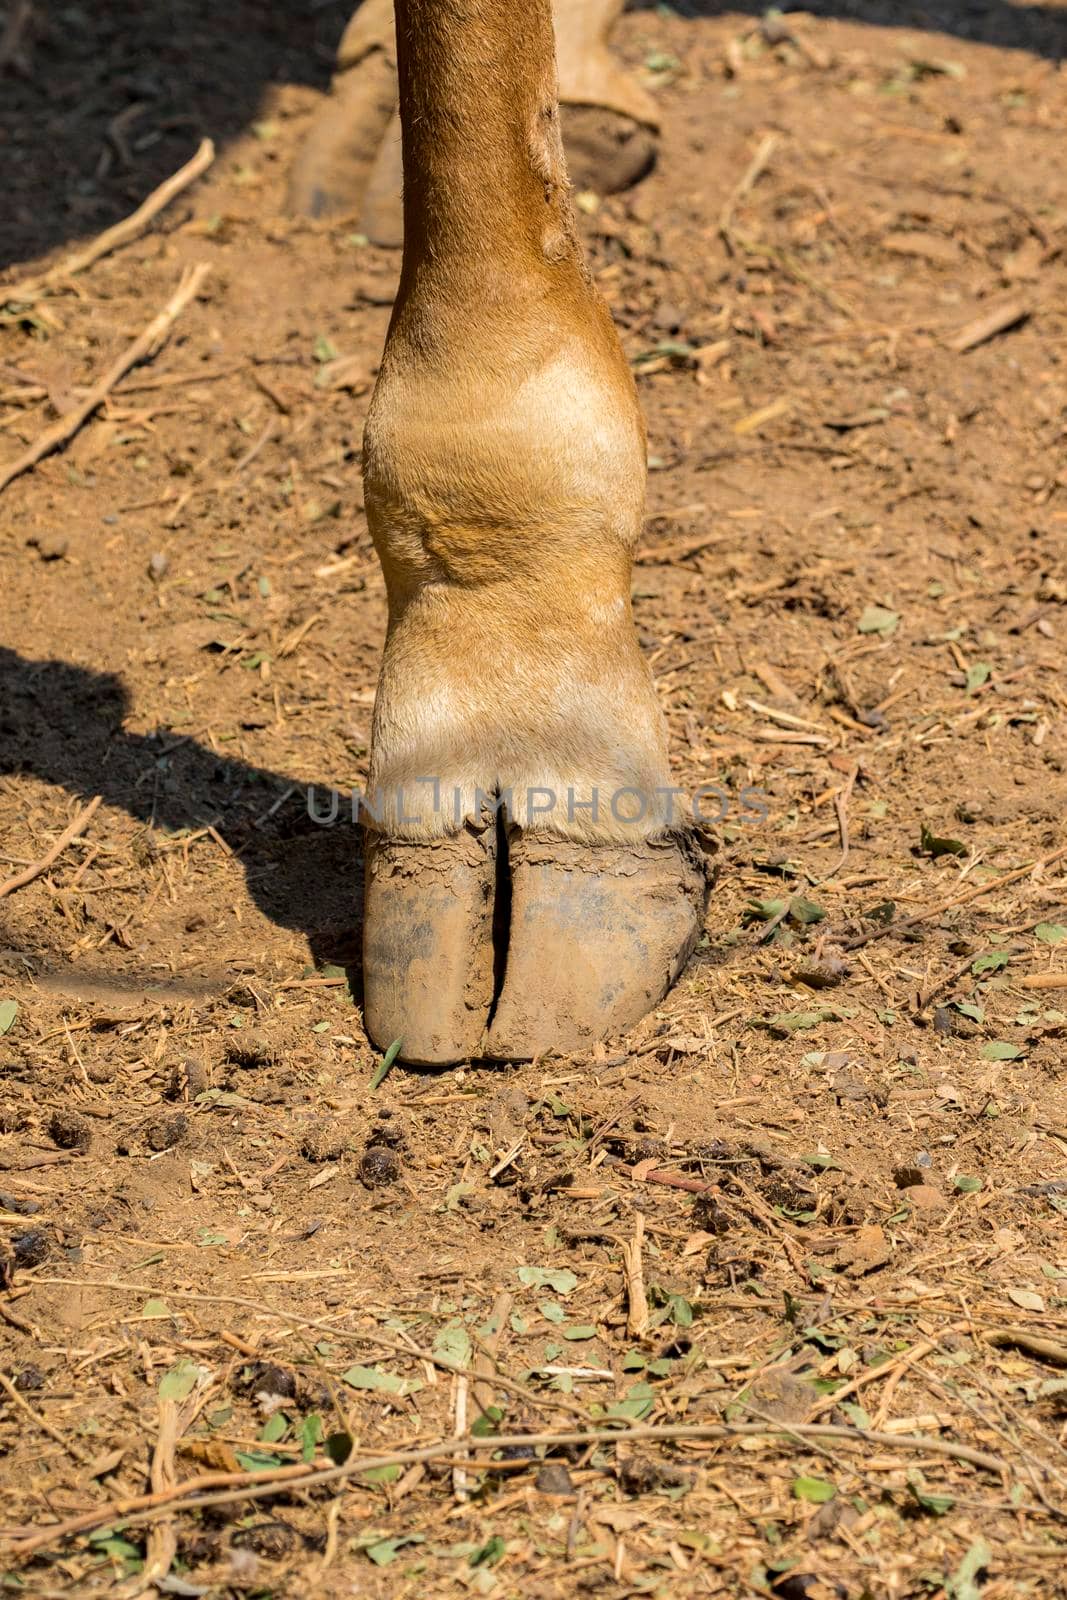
(467,955)
(597,935)
(606,151)
(428,945)
(337,160)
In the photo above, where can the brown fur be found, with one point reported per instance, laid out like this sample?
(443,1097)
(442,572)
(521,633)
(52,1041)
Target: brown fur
(504,453)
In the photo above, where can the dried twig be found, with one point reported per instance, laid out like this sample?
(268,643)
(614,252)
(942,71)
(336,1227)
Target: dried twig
(283,1480)
(636,1299)
(34,870)
(923,998)
(888,1369)
(958,899)
(142,349)
(459,1432)
(112,239)
(485,1356)
(38,1421)
(1032,1343)
(841,800)
(1007,315)
(749,178)
(175,1417)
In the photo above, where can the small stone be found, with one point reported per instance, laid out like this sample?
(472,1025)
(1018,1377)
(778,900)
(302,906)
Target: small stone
(322,1142)
(924,1197)
(265,1378)
(668,317)
(389,1130)
(28,1377)
(645,1475)
(650,1150)
(166,1132)
(272,1540)
(863,1251)
(782,1396)
(186,1079)
(69,1131)
(30,1249)
(710,1216)
(379,1166)
(553,1478)
(158,566)
(51,546)
(251,1050)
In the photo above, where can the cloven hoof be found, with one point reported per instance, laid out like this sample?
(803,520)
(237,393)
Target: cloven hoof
(507,946)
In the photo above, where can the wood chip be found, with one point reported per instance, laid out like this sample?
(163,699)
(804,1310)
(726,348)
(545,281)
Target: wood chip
(997,320)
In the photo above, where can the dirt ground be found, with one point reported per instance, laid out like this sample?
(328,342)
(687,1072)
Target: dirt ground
(824,1186)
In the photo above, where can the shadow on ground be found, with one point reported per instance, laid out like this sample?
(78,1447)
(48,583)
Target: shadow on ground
(103,102)
(64,724)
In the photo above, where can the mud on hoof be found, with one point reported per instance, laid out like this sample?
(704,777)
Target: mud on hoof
(480,946)
(428,944)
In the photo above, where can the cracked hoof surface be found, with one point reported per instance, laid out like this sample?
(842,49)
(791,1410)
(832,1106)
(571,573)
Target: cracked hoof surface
(598,934)
(428,945)
(587,938)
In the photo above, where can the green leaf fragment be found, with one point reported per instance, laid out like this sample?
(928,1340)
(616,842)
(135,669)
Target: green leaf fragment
(380,1382)
(878,619)
(488,1554)
(784,1023)
(485,1425)
(932,844)
(939,1505)
(453,1345)
(383,1551)
(382,1069)
(962,1585)
(275,1428)
(257,1460)
(180,1381)
(815,1490)
(310,1434)
(559,1279)
(1001,1050)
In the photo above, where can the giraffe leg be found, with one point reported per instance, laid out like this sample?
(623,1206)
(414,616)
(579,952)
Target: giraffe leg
(349,164)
